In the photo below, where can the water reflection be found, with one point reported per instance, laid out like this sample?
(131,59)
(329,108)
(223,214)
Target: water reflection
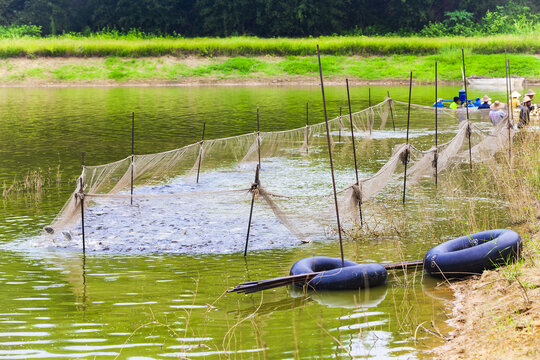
(349,299)
(96,312)
(59,304)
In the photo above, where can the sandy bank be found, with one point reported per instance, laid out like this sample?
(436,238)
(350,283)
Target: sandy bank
(497,315)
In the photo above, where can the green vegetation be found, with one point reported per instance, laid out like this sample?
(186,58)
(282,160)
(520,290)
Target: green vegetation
(394,67)
(235,46)
(509,19)
(276,18)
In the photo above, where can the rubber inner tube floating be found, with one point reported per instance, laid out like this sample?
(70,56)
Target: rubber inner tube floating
(472,254)
(335,277)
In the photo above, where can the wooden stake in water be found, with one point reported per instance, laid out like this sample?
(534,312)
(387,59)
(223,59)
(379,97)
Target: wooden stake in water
(258,136)
(391,111)
(307,128)
(467,107)
(407,141)
(330,156)
(339,137)
(354,153)
(370,112)
(84,296)
(201,151)
(81,198)
(254,188)
(132,151)
(436,124)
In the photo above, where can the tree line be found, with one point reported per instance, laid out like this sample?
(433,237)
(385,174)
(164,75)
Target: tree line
(274,18)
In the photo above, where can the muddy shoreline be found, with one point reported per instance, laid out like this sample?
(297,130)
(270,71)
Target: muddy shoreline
(282,81)
(217,82)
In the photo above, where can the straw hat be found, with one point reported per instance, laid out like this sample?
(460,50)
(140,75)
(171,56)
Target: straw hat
(497,105)
(530,92)
(526,99)
(439,99)
(515,94)
(486,98)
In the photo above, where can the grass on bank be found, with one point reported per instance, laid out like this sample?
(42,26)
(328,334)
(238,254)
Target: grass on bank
(395,67)
(248,46)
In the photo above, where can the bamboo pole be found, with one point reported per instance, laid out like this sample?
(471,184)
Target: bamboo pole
(508,102)
(510,110)
(467,107)
(84,290)
(339,129)
(260,285)
(370,112)
(330,156)
(258,136)
(201,152)
(307,128)
(81,198)
(354,153)
(506,78)
(391,111)
(407,140)
(254,188)
(132,151)
(436,159)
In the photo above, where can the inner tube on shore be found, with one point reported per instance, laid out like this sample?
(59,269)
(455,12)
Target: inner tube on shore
(472,254)
(335,277)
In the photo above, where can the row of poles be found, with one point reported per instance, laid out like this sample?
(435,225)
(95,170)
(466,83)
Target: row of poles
(255,186)
(407,152)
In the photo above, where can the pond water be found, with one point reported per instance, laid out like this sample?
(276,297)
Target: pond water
(58,303)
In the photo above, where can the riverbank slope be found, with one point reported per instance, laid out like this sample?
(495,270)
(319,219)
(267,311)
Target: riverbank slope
(497,315)
(256,70)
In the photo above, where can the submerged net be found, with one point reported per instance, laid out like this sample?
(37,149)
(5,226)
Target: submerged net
(171,211)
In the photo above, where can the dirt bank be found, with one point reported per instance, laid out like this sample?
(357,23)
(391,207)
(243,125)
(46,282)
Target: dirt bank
(196,71)
(497,315)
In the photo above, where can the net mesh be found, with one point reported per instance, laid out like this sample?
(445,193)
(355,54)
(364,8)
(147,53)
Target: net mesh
(165,188)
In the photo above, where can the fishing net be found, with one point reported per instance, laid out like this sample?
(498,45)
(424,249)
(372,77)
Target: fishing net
(196,196)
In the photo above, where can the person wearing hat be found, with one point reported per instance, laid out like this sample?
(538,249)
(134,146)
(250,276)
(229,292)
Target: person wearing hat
(439,103)
(497,113)
(525,111)
(456,104)
(530,94)
(485,103)
(477,102)
(515,99)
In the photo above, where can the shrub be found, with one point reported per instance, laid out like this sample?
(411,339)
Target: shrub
(19,31)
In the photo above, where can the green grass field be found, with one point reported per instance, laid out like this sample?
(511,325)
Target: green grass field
(389,67)
(367,58)
(66,46)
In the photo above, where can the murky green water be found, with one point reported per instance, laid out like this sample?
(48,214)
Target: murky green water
(58,304)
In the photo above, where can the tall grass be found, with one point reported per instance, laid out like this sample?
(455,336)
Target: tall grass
(234,46)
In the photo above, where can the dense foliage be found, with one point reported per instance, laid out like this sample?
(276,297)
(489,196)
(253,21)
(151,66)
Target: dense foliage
(269,18)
